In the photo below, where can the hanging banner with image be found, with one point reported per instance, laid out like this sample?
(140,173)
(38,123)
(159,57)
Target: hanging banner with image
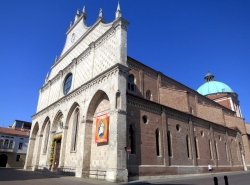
(102,125)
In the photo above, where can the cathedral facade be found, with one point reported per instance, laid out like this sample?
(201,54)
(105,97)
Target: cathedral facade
(103,114)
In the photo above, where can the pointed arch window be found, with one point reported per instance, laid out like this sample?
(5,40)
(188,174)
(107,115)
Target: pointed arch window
(67,84)
(148,95)
(131,138)
(46,138)
(188,146)
(216,150)
(169,144)
(157,138)
(75,130)
(131,83)
(226,149)
(210,149)
(196,147)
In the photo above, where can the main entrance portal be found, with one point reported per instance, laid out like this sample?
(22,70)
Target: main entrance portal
(57,154)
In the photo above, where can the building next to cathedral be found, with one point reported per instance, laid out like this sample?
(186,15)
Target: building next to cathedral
(98,104)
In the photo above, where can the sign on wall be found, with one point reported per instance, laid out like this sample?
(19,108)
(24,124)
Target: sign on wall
(102,125)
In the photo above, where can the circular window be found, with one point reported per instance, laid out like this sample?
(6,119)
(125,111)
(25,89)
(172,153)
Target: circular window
(178,127)
(67,84)
(202,133)
(144,119)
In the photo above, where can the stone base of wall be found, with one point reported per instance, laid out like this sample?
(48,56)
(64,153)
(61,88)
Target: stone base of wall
(148,172)
(12,163)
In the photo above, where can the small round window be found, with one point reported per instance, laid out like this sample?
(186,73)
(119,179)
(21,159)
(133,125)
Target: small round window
(67,84)
(145,119)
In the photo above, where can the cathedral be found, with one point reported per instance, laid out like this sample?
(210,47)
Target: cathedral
(102,114)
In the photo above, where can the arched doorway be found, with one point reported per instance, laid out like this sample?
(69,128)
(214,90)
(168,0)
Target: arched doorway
(55,153)
(3,160)
(94,157)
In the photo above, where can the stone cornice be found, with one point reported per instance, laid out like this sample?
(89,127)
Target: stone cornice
(177,115)
(115,69)
(146,105)
(145,69)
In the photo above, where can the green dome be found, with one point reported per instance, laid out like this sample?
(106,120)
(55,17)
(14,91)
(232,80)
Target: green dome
(212,87)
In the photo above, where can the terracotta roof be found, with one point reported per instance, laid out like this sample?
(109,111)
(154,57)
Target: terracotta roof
(13,132)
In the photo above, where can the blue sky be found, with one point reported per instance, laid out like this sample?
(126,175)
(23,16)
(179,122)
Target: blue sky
(182,39)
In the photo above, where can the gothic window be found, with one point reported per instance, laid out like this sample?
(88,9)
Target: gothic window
(169,144)
(226,149)
(46,138)
(131,138)
(1,143)
(216,150)
(75,130)
(6,143)
(191,111)
(118,100)
(67,84)
(148,95)
(11,144)
(188,146)
(210,149)
(196,147)
(131,83)
(158,143)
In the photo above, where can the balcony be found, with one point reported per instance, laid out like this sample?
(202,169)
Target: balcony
(9,150)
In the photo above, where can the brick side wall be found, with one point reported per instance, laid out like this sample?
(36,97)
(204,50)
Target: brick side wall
(174,98)
(210,113)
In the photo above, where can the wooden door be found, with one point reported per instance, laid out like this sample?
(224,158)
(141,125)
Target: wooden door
(57,155)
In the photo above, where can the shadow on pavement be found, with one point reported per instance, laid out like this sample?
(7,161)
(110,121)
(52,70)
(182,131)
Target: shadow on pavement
(15,174)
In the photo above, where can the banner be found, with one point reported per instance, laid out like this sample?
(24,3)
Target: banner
(102,125)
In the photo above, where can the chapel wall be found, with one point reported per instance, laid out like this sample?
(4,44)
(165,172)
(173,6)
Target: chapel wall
(203,135)
(178,142)
(145,133)
(174,98)
(210,113)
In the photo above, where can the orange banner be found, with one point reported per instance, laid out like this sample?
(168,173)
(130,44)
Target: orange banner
(102,125)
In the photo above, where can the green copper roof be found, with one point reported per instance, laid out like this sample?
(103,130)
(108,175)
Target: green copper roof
(212,87)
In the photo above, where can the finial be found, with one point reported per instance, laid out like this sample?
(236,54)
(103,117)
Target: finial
(83,9)
(77,11)
(118,6)
(118,12)
(70,24)
(100,13)
(56,58)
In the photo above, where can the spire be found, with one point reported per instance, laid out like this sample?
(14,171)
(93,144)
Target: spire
(209,77)
(118,12)
(84,14)
(100,13)
(77,15)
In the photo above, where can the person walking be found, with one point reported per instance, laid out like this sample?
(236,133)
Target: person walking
(210,168)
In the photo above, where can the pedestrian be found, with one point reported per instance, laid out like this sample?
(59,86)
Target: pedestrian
(210,168)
